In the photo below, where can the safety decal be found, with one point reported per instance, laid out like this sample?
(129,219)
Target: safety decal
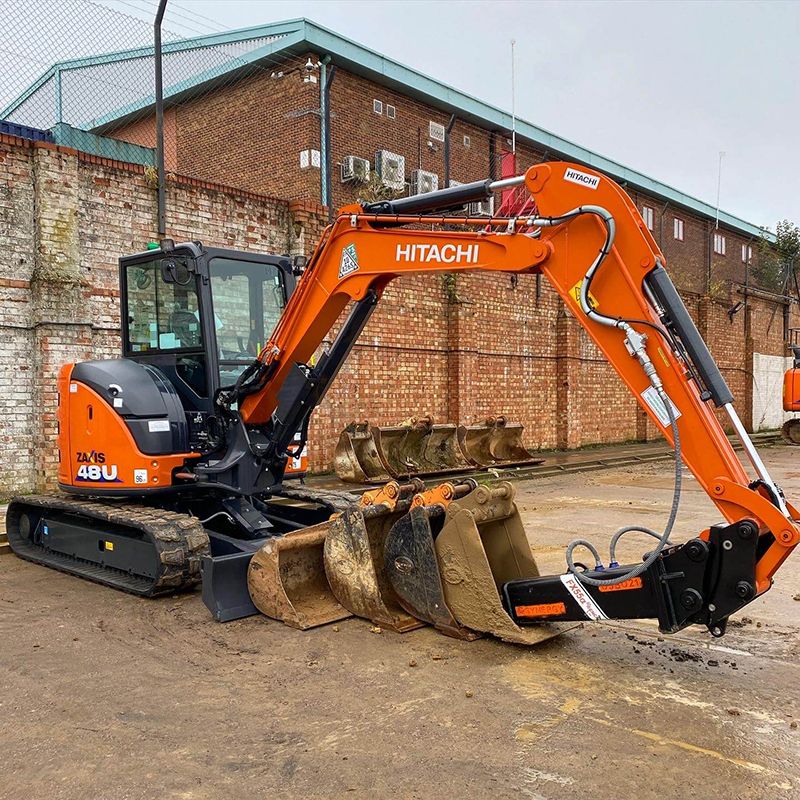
(541,610)
(349,262)
(582,179)
(582,597)
(575,293)
(656,404)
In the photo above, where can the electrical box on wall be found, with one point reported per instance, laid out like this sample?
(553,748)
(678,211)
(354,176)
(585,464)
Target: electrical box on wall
(391,169)
(423,181)
(355,170)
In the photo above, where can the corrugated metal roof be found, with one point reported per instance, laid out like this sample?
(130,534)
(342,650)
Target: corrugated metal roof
(301,34)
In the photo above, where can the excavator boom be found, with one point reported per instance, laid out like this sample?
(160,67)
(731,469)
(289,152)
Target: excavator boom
(587,238)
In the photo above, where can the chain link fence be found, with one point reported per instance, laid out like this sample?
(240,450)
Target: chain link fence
(82,73)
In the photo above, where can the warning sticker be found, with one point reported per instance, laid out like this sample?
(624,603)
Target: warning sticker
(575,293)
(349,262)
(656,405)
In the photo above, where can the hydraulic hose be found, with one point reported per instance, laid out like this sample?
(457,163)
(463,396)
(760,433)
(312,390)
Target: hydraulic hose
(635,342)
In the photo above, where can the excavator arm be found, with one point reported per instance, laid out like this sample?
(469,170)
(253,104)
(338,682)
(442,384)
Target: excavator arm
(589,241)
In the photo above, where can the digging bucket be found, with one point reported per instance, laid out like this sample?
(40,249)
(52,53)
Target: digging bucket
(496,442)
(421,448)
(356,458)
(410,560)
(287,581)
(354,563)
(481,546)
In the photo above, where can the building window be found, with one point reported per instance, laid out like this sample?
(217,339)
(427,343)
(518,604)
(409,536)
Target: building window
(747,253)
(647,216)
(677,229)
(391,111)
(467,141)
(719,244)
(377,106)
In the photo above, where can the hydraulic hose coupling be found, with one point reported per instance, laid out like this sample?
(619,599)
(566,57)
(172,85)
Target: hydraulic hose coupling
(635,343)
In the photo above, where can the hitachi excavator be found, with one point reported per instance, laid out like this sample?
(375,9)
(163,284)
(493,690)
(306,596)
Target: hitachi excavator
(173,458)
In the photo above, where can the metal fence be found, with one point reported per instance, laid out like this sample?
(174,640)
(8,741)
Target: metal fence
(83,73)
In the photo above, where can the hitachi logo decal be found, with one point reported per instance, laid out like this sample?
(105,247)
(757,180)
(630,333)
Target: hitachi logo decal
(444,254)
(589,181)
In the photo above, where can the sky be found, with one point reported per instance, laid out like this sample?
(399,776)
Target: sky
(661,87)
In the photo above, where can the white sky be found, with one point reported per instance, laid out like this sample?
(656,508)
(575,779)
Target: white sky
(661,87)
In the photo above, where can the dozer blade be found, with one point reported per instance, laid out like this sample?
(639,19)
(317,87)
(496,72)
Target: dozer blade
(420,448)
(790,432)
(286,579)
(354,564)
(482,545)
(496,442)
(356,458)
(412,569)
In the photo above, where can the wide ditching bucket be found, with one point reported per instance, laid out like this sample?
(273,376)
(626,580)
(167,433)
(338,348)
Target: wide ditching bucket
(481,546)
(287,582)
(354,561)
(356,458)
(496,442)
(420,448)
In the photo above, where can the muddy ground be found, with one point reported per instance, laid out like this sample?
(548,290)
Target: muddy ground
(106,696)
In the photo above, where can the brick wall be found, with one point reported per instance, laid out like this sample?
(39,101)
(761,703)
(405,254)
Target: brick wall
(459,350)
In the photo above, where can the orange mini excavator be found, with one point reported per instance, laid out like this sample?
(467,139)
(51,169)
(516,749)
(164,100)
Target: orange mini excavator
(166,464)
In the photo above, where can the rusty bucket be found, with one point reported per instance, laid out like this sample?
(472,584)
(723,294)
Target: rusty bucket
(356,458)
(287,581)
(495,442)
(420,447)
(354,563)
(481,546)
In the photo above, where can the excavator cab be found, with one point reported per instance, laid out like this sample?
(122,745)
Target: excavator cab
(200,314)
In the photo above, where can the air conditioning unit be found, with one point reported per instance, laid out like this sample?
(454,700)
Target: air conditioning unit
(483,208)
(355,169)
(423,181)
(391,169)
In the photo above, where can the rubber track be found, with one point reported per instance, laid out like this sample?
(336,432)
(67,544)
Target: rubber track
(179,540)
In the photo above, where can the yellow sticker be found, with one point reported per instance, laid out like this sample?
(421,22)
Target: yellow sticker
(109,545)
(575,291)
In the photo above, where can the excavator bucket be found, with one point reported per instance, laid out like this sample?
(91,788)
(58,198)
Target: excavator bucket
(287,582)
(413,572)
(495,442)
(790,432)
(419,447)
(356,458)
(481,546)
(354,564)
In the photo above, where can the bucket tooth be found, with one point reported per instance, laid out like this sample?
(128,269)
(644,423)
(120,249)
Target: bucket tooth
(287,580)
(481,546)
(356,458)
(413,571)
(354,564)
(420,447)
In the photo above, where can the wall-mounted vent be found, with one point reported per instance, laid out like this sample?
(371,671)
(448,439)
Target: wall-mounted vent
(391,169)
(436,131)
(355,170)
(423,181)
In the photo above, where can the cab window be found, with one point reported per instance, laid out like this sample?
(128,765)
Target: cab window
(161,316)
(248,299)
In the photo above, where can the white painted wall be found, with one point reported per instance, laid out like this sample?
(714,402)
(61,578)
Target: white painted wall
(768,372)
